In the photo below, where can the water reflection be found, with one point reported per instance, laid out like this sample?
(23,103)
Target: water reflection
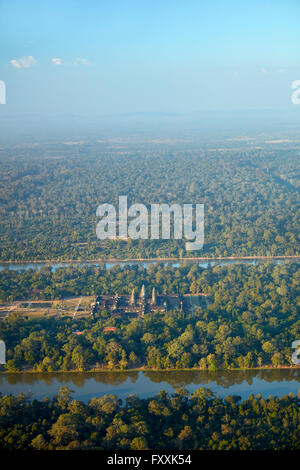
(85,385)
(76,378)
(223,378)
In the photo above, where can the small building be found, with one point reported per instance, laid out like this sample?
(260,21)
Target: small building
(2,352)
(109,328)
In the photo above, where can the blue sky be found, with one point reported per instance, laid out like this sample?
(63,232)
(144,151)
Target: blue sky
(114,56)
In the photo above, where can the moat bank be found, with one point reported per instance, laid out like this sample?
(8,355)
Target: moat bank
(85,385)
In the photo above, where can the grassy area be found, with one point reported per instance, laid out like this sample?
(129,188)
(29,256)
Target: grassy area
(73,306)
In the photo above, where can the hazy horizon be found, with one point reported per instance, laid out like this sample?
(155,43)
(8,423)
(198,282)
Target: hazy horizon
(101,61)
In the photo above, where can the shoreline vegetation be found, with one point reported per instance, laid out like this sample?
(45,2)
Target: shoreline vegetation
(152,260)
(176,421)
(147,369)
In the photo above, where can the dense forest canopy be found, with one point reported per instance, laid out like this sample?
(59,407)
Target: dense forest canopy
(176,422)
(49,195)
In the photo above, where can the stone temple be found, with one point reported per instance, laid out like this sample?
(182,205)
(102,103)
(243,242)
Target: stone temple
(138,303)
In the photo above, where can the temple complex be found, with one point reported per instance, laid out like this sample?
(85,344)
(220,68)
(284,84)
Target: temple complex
(138,303)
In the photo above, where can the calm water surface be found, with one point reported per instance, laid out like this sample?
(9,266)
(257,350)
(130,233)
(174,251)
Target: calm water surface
(145,384)
(203,264)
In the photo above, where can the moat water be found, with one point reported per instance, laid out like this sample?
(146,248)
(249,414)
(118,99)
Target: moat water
(86,385)
(107,264)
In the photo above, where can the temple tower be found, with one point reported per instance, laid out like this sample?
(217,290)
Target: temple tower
(143,292)
(132,298)
(153,300)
